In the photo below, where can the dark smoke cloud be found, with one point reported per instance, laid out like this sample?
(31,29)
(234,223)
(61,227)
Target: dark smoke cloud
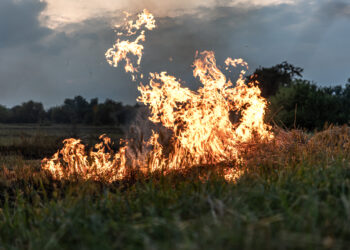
(334,9)
(19,23)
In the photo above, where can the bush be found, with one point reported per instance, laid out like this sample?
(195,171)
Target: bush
(303,104)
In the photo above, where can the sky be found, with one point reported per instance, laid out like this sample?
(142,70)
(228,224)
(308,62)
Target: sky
(54,49)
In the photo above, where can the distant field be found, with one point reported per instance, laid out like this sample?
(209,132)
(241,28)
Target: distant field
(37,141)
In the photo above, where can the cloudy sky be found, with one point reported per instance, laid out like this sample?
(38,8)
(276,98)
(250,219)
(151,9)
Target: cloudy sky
(54,49)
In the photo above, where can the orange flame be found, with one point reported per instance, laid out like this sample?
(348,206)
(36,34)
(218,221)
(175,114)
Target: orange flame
(121,49)
(73,161)
(200,121)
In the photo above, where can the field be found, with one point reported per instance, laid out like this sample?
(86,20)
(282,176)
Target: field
(293,194)
(36,141)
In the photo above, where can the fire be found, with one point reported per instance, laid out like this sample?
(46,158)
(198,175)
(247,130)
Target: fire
(200,122)
(121,49)
(73,161)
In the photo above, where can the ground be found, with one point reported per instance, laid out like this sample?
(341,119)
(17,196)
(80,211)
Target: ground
(294,194)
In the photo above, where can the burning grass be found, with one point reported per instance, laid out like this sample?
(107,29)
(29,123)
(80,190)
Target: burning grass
(199,122)
(287,148)
(214,184)
(293,194)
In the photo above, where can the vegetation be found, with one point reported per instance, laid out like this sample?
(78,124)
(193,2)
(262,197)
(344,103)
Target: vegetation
(304,104)
(294,194)
(275,77)
(293,103)
(73,111)
(298,103)
(294,191)
(33,141)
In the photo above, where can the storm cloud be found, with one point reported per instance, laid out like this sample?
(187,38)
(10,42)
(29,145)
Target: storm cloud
(19,22)
(49,58)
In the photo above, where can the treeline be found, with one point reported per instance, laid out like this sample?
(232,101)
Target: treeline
(298,103)
(73,111)
(293,103)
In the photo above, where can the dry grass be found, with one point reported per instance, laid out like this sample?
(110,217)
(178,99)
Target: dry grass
(294,194)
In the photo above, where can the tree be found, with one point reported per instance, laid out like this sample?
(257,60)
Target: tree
(271,79)
(4,114)
(76,109)
(58,115)
(28,112)
(107,113)
(304,104)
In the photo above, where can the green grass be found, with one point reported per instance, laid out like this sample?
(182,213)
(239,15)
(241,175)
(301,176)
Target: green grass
(295,194)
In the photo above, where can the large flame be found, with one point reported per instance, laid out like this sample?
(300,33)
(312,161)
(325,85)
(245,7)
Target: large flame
(201,122)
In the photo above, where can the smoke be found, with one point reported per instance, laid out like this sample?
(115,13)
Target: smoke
(65,12)
(333,10)
(19,24)
(49,65)
(318,24)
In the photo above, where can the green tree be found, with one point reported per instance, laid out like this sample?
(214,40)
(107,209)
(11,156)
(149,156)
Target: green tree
(28,112)
(271,79)
(304,104)
(107,113)
(4,114)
